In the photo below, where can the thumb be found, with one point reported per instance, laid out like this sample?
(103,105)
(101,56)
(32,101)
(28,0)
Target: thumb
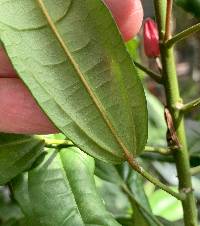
(128,15)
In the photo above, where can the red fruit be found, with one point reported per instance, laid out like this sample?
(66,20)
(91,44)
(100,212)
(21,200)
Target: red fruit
(151,38)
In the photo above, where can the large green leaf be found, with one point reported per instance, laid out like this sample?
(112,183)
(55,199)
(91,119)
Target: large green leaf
(70,55)
(61,191)
(17,153)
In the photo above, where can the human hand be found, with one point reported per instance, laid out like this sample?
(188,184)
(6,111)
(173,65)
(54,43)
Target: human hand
(19,112)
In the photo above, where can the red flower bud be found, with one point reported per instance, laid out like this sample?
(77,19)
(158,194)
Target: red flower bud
(151,38)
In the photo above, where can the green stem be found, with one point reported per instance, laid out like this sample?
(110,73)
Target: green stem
(160,150)
(189,106)
(181,156)
(195,170)
(156,77)
(183,35)
(135,166)
(55,143)
(168,20)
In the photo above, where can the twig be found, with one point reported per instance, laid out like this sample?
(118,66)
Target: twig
(182,35)
(189,106)
(135,166)
(168,20)
(160,150)
(56,143)
(155,76)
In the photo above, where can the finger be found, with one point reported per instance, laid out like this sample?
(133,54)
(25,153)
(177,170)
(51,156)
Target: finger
(128,15)
(19,113)
(6,68)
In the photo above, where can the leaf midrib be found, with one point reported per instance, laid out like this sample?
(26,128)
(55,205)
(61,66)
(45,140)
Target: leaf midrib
(76,67)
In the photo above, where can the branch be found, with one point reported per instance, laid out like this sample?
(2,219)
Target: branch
(56,143)
(182,35)
(168,21)
(155,76)
(195,170)
(135,166)
(160,150)
(189,106)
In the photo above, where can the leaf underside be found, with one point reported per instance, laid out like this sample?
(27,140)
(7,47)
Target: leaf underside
(72,58)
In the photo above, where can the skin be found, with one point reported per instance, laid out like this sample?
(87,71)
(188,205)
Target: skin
(19,113)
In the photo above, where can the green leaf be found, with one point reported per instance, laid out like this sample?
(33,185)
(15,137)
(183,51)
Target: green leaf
(61,191)
(190,6)
(10,212)
(72,58)
(129,222)
(132,184)
(108,172)
(126,221)
(165,205)
(157,126)
(193,134)
(170,223)
(14,222)
(17,153)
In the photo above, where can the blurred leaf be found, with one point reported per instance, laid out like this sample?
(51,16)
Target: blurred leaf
(114,199)
(17,153)
(108,172)
(14,222)
(126,221)
(129,222)
(165,205)
(9,210)
(156,124)
(193,137)
(136,184)
(170,223)
(191,6)
(80,73)
(61,191)
(132,184)
(132,47)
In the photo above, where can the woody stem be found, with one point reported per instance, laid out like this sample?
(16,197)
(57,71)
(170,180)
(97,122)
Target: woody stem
(173,97)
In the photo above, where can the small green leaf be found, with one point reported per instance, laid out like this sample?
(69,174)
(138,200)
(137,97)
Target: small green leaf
(72,58)
(61,191)
(17,153)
